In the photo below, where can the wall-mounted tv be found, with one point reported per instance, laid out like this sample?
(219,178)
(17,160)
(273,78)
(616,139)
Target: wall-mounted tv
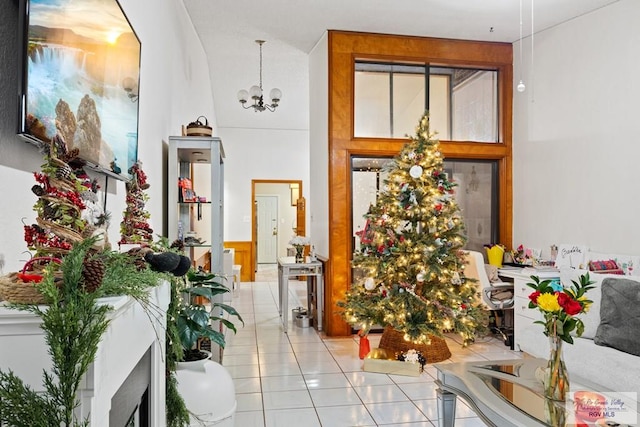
(80,80)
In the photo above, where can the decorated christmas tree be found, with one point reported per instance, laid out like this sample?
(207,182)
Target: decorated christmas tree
(411,253)
(59,223)
(68,212)
(135,227)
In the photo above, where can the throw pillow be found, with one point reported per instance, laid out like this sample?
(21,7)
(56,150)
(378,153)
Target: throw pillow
(620,315)
(605,267)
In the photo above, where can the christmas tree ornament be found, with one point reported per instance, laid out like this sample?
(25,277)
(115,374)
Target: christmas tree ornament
(369,284)
(415,171)
(421,276)
(455,279)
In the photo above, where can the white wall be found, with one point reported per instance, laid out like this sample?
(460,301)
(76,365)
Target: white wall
(174,90)
(319,146)
(258,154)
(576,134)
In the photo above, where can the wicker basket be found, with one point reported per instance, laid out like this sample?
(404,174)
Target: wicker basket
(394,341)
(60,231)
(62,184)
(198,128)
(61,202)
(14,290)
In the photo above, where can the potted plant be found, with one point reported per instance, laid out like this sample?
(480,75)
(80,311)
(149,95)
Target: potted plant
(199,309)
(205,390)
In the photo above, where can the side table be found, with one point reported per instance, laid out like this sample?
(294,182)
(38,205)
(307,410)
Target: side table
(288,267)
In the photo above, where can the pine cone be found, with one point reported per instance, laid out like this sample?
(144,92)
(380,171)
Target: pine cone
(63,172)
(37,190)
(92,274)
(49,211)
(177,244)
(137,255)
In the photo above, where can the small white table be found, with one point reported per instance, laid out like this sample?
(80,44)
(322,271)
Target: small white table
(288,267)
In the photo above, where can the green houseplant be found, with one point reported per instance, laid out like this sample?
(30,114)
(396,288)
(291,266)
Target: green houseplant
(199,309)
(189,316)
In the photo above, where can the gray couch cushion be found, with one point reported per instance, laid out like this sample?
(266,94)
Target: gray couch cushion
(620,315)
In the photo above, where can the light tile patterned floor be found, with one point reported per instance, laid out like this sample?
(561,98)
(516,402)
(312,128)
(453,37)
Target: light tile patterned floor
(305,379)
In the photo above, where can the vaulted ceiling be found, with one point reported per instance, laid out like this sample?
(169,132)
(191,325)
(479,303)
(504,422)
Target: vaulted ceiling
(228,30)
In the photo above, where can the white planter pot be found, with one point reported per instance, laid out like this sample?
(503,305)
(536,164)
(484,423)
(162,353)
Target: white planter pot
(208,392)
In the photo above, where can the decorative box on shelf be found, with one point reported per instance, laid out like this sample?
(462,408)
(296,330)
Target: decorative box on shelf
(384,361)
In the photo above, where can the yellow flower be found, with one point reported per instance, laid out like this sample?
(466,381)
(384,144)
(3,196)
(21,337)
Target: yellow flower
(548,302)
(585,305)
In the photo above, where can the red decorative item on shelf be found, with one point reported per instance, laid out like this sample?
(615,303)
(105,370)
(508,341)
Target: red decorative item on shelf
(365,347)
(29,275)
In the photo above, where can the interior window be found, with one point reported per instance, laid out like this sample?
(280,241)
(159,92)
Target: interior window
(390,98)
(476,194)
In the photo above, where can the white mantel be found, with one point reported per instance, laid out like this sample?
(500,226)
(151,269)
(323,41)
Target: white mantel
(131,332)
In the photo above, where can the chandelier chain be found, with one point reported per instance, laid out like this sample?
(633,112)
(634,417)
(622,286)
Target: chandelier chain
(260,42)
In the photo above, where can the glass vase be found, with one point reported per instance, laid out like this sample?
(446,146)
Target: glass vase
(556,380)
(299,253)
(555,413)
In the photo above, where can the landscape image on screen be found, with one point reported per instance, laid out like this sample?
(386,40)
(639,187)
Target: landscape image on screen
(83,71)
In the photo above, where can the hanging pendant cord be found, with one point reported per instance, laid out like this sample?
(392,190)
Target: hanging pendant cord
(260,43)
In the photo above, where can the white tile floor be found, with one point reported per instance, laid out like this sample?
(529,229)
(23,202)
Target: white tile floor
(305,379)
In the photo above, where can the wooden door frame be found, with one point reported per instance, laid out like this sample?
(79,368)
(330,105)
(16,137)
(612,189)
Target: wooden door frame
(254,228)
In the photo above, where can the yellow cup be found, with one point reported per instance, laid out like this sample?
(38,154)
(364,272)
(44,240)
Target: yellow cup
(495,254)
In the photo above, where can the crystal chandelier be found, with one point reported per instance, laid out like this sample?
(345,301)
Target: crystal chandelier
(256,93)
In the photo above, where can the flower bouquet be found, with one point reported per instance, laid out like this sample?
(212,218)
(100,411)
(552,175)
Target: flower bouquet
(299,242)
(559,307)
(523,256)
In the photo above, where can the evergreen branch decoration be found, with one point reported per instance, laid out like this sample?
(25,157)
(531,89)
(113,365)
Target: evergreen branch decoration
(411,252)
(73,323)
(177,413)
(21,406)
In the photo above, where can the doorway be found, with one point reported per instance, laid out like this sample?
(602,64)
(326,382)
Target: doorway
(267,213)
(278,213)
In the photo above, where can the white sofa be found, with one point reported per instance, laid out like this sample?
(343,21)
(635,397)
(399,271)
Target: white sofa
(614,369)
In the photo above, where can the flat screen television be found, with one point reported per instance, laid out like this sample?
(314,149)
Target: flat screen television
(80,80)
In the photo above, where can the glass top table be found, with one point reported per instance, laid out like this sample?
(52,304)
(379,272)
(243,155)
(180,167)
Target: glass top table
(510,393)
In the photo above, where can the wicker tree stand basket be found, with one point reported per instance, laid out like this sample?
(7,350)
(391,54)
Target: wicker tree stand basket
(16,291)
(394,341)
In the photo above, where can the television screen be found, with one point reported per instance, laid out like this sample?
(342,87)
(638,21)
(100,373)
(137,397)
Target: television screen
(80,80)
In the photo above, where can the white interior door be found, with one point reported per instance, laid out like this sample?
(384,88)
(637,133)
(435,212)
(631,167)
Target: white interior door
(267,229)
